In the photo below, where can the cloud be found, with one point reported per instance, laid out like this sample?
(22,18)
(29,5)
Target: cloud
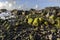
(36,6)
(12,4)
(5,5)
(9,4)
(12,1)
(1,5)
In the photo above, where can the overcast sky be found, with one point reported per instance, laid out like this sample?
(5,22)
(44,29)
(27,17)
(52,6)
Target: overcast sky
(27,4)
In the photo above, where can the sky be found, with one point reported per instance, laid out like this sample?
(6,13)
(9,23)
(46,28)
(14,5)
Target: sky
(27,4)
